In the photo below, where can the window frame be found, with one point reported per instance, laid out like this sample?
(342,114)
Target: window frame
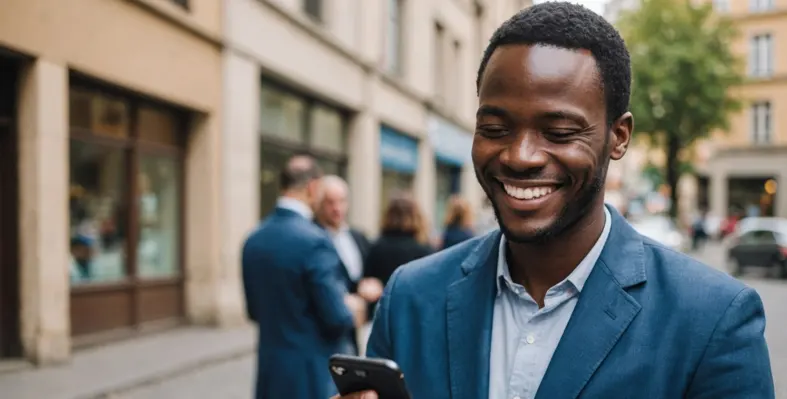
(341,158)
(134,148)
(761,120)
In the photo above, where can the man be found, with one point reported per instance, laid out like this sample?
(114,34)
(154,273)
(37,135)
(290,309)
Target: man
(351,244)
(569,301)
(294,292)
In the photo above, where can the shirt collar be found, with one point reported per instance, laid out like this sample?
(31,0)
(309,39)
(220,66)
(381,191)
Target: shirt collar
(578,277)
(296,206)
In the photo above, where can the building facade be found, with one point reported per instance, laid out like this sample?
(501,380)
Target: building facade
(381,92)
(141,143)
(110,122)
(744,171)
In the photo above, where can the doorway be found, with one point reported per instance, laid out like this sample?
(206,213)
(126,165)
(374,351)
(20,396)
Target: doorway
(10,345)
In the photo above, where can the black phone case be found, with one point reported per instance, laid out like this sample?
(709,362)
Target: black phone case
(355,374)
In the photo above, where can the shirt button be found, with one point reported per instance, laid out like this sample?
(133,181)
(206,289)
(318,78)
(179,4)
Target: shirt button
(530,339)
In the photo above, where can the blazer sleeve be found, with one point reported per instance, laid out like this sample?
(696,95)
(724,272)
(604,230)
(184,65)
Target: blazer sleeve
(380,344)
(736,362)
(248,272)
(327,290)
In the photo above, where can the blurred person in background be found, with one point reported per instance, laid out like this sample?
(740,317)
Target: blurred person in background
(295,292)
(351,244)
(458,222)
(403,238)
(567,300)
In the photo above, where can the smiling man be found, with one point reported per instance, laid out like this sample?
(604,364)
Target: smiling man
(568,301)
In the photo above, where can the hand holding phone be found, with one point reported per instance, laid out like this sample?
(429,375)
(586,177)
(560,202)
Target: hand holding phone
(360,378)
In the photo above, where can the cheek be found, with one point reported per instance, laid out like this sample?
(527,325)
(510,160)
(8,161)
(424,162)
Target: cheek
(580,159)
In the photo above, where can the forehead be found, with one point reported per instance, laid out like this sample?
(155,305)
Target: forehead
(526,73)
(334,191)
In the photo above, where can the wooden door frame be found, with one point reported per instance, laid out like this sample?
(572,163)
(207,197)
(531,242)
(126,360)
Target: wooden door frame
(10,301)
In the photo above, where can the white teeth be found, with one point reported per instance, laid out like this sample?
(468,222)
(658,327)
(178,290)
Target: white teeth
(527,193)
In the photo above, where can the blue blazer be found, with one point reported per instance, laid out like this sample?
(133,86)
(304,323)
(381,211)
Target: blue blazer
(649,323)
(294,293)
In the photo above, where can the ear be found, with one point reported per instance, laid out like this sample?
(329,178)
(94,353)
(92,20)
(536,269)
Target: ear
(621,131)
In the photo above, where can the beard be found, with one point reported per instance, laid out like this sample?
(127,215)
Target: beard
(568,217)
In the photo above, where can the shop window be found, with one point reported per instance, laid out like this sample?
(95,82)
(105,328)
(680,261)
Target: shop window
(159,198)
(290,124)
(157,126)
(99,113)
(98,213)
(125,209)
(327,128)
(282,114)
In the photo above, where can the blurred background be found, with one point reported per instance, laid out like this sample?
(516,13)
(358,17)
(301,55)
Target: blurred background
(141,140)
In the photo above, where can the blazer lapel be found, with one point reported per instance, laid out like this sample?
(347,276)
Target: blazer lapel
(603,313)
(469,310)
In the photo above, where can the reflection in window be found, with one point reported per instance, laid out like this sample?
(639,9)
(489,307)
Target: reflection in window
(97,176)
(282,114)
(158,248)
(98,113)
(327,128)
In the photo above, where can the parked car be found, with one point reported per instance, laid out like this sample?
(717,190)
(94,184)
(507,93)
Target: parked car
(662,229)
(759,242)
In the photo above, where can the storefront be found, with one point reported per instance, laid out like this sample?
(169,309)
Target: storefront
(126,209)
(452,146)
(10,345)
(292,123)
(399,158)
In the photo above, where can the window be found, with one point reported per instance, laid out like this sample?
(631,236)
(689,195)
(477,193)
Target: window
(124,194)
(393,36)
(721,6)
(457,79)
(761,56)
(760,5)
(439,64)
(758,237)
(305,125)
(313,8)
(761,123)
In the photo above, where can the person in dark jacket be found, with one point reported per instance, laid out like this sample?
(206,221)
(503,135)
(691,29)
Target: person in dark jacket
(351,244)
(458,222)
(295,293)
(403,239)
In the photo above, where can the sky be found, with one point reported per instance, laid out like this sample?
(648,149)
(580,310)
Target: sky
(595,5)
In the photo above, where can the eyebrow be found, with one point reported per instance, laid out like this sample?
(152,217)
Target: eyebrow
(566,115)
(490,110)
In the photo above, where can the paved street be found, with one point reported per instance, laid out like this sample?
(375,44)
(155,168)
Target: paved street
(233,379)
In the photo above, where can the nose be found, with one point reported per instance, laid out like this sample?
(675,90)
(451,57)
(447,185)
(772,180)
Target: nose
(525,153)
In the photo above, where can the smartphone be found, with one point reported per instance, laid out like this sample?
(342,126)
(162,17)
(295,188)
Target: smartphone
(356,374)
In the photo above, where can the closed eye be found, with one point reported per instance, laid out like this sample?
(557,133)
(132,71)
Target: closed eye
(492,131)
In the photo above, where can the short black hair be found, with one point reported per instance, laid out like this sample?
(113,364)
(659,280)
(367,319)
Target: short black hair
(298,172)
(571,26)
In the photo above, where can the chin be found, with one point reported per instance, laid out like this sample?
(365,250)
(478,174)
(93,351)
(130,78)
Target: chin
(528,232)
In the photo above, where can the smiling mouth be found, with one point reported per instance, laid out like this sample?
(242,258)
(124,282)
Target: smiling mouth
(529,193)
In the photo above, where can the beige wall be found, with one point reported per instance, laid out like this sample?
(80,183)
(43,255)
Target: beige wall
(340,60)
(147,46)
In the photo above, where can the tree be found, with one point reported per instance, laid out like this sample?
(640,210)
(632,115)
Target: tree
(683,68)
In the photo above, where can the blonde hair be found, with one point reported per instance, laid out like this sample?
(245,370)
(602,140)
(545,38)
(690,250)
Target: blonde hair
(404,216)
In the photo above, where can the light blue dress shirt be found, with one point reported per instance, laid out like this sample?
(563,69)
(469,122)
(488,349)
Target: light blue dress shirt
(524,337)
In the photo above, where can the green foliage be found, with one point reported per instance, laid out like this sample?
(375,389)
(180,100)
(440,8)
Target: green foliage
(682,69)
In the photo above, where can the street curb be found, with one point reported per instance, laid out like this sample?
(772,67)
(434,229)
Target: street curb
(118,391)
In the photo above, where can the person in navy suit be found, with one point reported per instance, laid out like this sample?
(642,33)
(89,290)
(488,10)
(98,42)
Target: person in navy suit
(566,300)
(295,293)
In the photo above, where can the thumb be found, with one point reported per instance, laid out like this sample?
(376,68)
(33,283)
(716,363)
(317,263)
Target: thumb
(368,395)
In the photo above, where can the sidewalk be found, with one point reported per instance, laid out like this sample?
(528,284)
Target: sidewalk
(99,372)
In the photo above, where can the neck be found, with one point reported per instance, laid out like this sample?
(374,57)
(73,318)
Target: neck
(296,195)
(555,258)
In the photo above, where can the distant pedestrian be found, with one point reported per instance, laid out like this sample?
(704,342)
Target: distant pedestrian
(351,244)
(458,222)
(403,239)
(295,292)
